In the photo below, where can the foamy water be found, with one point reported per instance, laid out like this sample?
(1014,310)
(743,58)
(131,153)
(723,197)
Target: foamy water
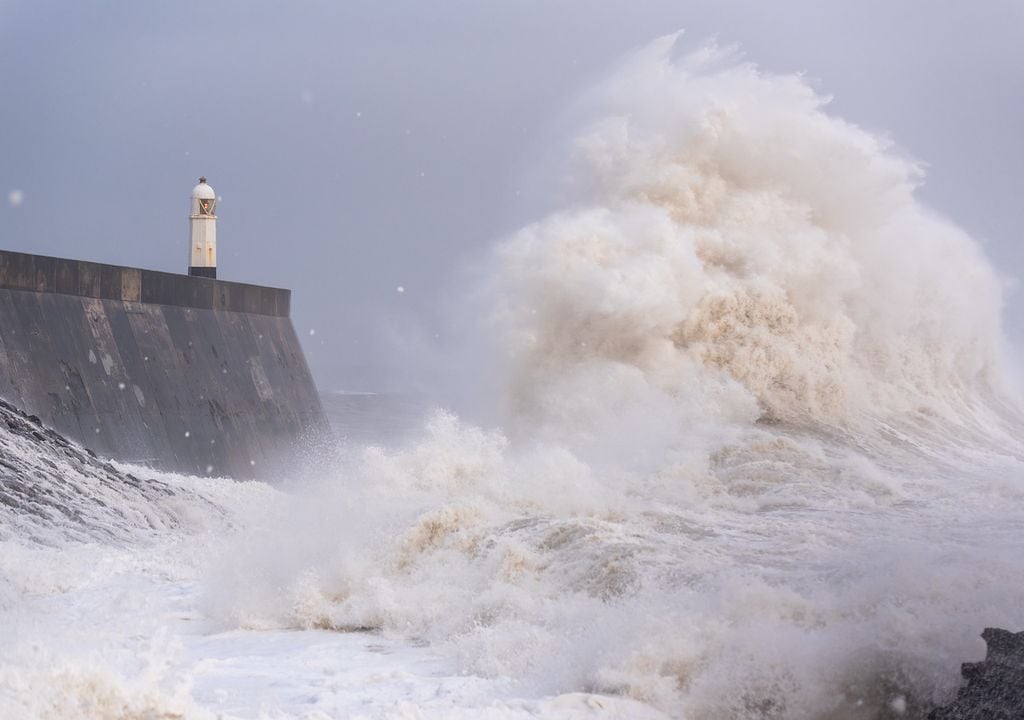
(759,458)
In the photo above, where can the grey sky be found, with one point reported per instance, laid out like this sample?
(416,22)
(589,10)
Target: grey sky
(362,146)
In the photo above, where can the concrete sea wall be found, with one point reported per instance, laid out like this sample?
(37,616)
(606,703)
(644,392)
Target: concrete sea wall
(179,373)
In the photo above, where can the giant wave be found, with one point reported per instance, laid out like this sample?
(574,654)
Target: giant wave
(759,454)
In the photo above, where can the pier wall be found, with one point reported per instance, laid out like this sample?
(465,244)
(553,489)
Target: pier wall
(180,373)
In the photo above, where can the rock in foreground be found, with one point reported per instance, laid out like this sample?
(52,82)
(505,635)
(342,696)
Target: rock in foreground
(993,688)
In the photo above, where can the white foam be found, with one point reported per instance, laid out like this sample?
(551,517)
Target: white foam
(755,421)
(758,459)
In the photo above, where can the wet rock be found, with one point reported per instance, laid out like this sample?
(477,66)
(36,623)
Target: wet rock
(993,689)
(52,489)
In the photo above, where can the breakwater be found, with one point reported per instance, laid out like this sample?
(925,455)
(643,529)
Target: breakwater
(181,373)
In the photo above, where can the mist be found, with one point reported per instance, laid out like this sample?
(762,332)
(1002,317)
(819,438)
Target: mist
(709,304)
(368,155)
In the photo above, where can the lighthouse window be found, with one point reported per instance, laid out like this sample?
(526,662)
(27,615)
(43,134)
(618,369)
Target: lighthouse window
(206,207)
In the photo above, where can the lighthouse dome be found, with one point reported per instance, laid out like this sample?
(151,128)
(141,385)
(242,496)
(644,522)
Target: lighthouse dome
(202,191)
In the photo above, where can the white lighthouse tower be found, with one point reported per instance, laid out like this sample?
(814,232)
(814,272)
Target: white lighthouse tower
(203,232)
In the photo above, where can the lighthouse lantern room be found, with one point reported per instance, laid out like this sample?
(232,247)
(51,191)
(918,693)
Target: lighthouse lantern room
(203,232)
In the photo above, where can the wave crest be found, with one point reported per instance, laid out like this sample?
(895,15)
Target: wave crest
(721,220)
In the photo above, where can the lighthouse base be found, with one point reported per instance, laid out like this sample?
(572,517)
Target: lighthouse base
(206,272)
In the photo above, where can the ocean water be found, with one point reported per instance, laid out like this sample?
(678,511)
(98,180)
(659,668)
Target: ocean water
(759,456)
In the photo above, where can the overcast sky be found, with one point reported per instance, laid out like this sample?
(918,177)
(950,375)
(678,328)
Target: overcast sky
(363,146)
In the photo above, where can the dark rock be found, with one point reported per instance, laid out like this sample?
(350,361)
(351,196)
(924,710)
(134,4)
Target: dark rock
(994,688)
(52,490)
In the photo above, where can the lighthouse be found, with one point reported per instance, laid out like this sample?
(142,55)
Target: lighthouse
(203,232)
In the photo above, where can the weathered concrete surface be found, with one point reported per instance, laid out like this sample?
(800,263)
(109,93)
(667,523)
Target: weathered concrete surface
(993,688)
(180,373)
(38,273)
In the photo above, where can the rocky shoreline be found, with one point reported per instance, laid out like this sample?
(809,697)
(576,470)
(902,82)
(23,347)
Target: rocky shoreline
(993,689)
(52,488)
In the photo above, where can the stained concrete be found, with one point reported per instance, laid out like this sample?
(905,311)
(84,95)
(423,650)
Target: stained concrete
(180,373)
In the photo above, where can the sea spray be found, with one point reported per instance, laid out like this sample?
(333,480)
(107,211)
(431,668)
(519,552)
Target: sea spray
(723,221)
(757,458)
